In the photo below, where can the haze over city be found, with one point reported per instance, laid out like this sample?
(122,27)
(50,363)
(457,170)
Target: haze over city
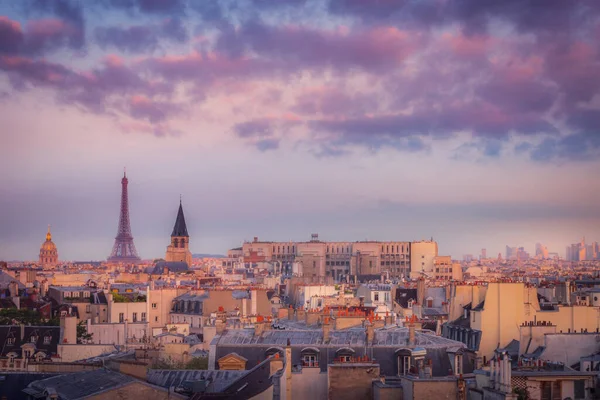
(475,126)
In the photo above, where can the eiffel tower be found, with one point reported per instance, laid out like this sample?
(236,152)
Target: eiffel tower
(124,250)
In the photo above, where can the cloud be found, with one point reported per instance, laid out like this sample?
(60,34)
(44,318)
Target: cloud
(149,6)
(300,47)
(40,36)
(139,38)
(70,12)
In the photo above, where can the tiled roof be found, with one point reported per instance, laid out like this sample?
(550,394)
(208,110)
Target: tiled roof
(168,378)
(80,384)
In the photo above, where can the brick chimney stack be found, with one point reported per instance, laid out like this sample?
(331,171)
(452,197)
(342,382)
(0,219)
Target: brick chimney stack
(326,330)
(370,332)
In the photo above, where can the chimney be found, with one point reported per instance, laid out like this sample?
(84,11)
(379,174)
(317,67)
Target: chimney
(388,319)
(68,327)
(326,330)
(259,326)
(427,370)
(361,299)
(421,291)
(44,288)
(288,371)
(13,288)
(220,326)
(370,333)
(290,313)
(22,326)
(411,334)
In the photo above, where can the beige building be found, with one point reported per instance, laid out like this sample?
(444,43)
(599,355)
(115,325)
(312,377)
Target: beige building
(316,258)
(505,314)
(444,269)
(178,250)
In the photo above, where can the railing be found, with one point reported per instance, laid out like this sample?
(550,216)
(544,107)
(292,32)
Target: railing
(310,364)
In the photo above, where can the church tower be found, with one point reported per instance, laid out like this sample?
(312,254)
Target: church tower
(48,252)
(179,250)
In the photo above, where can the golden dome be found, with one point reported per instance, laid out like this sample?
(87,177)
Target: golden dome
(48,245)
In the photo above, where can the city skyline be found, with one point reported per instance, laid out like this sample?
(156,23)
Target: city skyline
(475,126)
(154,252)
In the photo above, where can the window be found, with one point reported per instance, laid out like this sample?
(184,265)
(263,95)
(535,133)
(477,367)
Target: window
(458,364)
(155,319)
(33,339)
(134,317)
(143,317)
(376,296)
(121,317)
(310,360)
(345,358)
(10,341)
(47,339)
(403,365)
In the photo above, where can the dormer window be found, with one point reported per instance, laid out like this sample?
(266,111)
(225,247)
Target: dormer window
(310,357)
(10,341)
(33,339)
(47,339)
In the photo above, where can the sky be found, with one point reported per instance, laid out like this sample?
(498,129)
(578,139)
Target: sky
(472,122)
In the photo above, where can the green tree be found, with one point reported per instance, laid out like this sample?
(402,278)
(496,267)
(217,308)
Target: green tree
(82,333)
(197,363)
(8,316)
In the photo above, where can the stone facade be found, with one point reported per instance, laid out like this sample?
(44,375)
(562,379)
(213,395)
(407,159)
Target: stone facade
(340,259)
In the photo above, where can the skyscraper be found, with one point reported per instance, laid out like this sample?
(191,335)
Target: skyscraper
(124,250)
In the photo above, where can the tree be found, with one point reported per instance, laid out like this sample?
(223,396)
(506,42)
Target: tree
(10,316)
(522,394)
(82,334)
(197,363)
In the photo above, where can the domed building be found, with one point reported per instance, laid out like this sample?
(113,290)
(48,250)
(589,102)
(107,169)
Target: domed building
(48,252)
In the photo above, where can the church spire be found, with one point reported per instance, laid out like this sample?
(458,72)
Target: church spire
(180,229)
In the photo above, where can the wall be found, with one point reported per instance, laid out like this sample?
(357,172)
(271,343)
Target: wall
(351,381)
(432,389)
(506,308)
(422,255)
(162,298)
(383,392)
(127,309)
(311,383)
(569,348)
(462,295)
(115,333)
(136,390)
(75,352)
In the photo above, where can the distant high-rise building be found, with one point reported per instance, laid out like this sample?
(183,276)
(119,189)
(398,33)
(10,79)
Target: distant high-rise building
(179,250)
(124,250)
(568,255)
(541,251)
(483,254)
(48,252)
(522,255)
(511,253)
